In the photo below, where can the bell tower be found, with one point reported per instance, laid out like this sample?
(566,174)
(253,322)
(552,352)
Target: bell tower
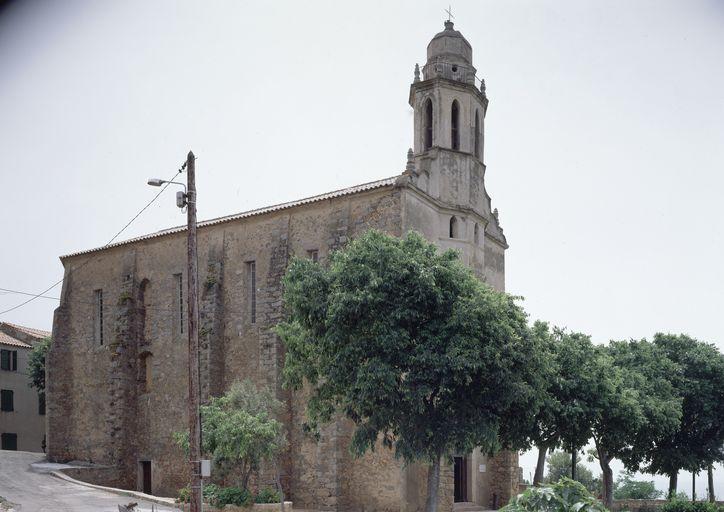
(449,107)
(450,104)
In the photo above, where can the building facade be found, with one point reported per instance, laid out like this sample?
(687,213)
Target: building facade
(120,329)
(22,408)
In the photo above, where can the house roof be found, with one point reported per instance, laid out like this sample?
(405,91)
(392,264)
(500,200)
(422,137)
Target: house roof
(6,339)
(9,334)
(251,213)
(38,333)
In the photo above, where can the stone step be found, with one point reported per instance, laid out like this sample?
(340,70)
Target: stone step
(467,506)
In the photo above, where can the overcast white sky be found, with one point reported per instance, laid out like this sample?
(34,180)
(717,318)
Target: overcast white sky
(605,135)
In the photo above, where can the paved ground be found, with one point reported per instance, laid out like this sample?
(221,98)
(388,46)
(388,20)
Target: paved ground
(33,489)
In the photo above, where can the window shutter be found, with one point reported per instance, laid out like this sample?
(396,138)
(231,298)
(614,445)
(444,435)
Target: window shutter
(6,400)
(15,361)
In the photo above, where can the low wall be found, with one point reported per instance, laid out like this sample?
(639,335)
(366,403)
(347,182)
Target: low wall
(643,505)
(104,476)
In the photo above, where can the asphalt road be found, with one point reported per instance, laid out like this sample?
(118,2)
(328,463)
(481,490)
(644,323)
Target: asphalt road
(33,489)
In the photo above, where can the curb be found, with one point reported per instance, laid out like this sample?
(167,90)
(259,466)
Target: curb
(169,502)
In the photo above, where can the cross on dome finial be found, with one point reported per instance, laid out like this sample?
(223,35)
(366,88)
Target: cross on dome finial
(449,12)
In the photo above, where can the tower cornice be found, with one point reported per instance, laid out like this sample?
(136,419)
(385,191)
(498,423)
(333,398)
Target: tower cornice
(425,85)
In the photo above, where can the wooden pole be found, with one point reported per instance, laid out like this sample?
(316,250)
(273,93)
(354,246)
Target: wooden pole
(193,323)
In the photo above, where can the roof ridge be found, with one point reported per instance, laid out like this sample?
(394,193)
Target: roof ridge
(28,330)
(363,187)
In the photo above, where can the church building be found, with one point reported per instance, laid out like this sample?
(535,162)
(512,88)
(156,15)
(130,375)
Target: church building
(117,379)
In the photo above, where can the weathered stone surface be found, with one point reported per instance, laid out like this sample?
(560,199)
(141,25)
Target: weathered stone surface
(118,403)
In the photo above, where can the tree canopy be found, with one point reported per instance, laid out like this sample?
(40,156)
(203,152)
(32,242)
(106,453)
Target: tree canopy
(240,431)
(626,488)
(414,349)
(559,466)
(699,381)
(636,409)
(36,365)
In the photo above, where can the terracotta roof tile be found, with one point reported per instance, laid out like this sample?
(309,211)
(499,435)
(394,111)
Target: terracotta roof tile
(6,339)
(251,213)
(38,333)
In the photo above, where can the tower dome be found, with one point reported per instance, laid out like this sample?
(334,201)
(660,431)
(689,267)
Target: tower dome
(449,55)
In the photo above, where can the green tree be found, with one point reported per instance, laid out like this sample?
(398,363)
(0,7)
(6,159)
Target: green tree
(410,346)
(626,488)
(637,408)
(36,365)
(699,381)
(574,378)
(240,431)
(559,466)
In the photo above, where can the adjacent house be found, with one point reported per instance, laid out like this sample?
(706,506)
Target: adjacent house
(22,409)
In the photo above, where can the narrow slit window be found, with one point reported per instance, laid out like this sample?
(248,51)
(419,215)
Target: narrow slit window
(98,327)
(145,371)
(251,277)
(313,255)
(428,124)
(455,125)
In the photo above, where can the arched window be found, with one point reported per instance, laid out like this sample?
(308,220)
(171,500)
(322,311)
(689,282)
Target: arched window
(477,134)
(476,235)
(428,124)
(145,371)
(453,227)
(455,125)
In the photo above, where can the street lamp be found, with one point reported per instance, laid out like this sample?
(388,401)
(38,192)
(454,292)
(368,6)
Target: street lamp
(188,198)
(181,197)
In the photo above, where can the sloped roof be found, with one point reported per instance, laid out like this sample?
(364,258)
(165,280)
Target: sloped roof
(251,213)
(6,339)
(38,333)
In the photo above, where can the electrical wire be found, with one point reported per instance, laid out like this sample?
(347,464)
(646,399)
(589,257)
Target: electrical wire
(149,306)
(41,294)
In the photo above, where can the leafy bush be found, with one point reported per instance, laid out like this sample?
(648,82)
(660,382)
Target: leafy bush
(210,490)
(268,495)
(565,495)
(231,496)
(679,505)
(240,431)
(628,489)
(559,465)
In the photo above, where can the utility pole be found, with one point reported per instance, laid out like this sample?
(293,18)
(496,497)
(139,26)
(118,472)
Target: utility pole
(193,329)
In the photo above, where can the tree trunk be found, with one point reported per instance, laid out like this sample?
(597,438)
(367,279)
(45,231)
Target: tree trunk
(607,477)
(573,463)
(673,480)
(693,486)
(433,484)
(710,475)
(540,466)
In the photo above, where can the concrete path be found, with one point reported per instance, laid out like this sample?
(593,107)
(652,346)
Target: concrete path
(34,489)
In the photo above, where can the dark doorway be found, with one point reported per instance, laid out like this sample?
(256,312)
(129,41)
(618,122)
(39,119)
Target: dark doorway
(461,479)
(9,441)
(146,477)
